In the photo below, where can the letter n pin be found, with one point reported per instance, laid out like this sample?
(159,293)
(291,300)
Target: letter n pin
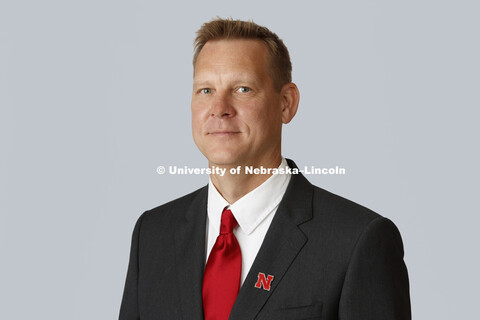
(263,281)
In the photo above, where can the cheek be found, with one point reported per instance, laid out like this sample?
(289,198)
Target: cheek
(196,130)
(198,116)
(263,119)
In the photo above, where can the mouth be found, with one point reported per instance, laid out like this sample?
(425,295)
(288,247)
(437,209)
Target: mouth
(223,133)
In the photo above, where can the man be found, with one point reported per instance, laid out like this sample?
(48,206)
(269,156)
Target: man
(258,246)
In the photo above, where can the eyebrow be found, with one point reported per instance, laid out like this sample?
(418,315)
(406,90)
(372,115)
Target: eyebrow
(234,79)
(201,83)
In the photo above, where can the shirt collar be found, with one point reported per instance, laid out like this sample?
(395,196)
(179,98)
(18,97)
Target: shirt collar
(252,208)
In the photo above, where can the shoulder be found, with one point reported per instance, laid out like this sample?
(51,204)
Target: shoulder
(179,203)
(347,221)
(341,209)
(170,212)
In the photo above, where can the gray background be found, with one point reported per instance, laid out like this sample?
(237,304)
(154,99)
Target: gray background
(94,95)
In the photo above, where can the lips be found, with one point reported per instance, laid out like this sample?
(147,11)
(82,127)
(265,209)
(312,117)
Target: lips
(222,133)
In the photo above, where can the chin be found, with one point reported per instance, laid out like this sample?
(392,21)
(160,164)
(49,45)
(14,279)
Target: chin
(222,161)
(222,158)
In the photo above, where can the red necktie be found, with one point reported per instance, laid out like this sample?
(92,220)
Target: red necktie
(221,281)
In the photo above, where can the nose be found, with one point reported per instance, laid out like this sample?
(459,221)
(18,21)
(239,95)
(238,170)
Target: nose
(222,106)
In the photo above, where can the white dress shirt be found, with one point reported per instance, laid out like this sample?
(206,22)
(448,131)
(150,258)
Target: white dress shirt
(254,213)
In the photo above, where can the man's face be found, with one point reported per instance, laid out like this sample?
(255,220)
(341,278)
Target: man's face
(236,112)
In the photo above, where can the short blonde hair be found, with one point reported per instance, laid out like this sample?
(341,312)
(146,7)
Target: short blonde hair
(217,29)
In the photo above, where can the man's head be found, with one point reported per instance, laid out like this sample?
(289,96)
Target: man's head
(238,102)
(279,64)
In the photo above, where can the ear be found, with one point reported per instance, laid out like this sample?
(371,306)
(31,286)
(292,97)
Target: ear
(290,99)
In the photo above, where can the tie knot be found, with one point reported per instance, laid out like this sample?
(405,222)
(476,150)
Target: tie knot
(228,222)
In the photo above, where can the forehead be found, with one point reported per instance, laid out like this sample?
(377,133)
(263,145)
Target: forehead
(241,54)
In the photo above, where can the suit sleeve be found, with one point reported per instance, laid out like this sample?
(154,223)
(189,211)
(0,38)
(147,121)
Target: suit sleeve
(129,307)
(376,282)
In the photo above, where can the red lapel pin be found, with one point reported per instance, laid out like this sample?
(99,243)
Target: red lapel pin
(264,281)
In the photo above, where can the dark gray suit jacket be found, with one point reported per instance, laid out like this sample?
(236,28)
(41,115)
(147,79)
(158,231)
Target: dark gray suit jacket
(331,259)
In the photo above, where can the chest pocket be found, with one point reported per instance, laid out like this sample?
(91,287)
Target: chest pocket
(308,312)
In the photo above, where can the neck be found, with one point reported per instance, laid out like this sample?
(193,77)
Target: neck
(234,186)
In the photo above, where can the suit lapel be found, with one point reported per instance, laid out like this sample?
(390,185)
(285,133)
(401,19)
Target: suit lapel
(281,245)
(190,256)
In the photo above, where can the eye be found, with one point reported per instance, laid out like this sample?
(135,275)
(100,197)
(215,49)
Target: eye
(244,89)
(205,90)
